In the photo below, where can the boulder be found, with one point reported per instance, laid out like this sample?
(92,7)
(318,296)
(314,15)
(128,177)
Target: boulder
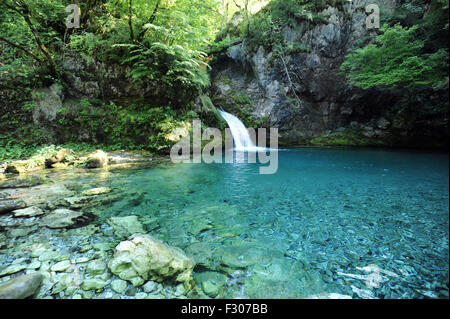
(66,218)
(96,191)
(59,157)
(145,258)
(7,206)
(97,159)
(21,287)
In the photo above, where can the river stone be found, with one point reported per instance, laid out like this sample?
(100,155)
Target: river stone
(150,286)
(325,295)
(96,267)
(212,283)
(143,257)
(60,266)
(66,218)
(21,287)
(126,226)
(119,285)
(78,201)
(22,182)
(93,284)
(7,206)
(12,269)
(28,212)
(96,191)
(97,159)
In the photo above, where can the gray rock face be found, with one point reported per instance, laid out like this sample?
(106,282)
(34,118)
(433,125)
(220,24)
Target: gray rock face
(48,101)
(303,93)
(21,287)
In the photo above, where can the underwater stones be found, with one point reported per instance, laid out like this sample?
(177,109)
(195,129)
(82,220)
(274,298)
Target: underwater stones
(93,284)
(144,257)
(150,286)
(7,206)
(43,193)
(326,295)
(96,191)
(212,283)
(78,201)
(22,182)
(28,212)
(126,226)
(21,287)
(12,269)
(97,159)
(96,267)
(119,285)
(60,266)
(66,218)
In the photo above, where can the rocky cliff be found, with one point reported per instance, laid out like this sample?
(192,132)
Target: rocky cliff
(302,91)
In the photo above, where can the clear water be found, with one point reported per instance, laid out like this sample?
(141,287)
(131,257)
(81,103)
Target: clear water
(303,230)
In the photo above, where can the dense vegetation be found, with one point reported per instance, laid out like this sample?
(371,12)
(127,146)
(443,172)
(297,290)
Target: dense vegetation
(165,46)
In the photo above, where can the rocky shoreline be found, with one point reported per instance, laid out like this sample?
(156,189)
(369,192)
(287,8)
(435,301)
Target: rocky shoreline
(49,247)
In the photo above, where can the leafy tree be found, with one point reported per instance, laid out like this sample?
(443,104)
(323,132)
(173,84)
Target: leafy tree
(396,60)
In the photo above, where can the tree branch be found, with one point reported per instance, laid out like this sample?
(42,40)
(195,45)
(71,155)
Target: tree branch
(150,21)
(17,46)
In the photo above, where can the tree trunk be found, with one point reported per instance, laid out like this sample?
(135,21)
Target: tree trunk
(150,21)
(130,17)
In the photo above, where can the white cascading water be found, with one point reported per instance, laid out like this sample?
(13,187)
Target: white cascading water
(241,137)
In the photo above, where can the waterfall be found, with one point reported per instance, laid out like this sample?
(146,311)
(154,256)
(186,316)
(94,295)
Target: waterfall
(241,137)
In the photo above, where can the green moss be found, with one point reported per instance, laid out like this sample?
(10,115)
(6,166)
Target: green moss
(346,138)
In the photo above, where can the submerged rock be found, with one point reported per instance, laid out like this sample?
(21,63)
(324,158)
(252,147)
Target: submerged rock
(212,283)
(7,206)
(28,212)
(143,257)
(329,296)
(97,159)
(96,191)
(66,218)
(21,287)
(126,226)
(22,182)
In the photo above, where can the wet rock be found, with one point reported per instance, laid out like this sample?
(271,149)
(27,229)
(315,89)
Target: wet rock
(144,257)
(97,159)
(96,267)
(21,287)
(28,212)
(212,283)
(119,285)
(20,232)
(150,286)
(22,182)
(78,201)
(61,266)
(59,157)
(93,284)
(7,206)
(12,269)
(66,218)
(96,191)
(126,226)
